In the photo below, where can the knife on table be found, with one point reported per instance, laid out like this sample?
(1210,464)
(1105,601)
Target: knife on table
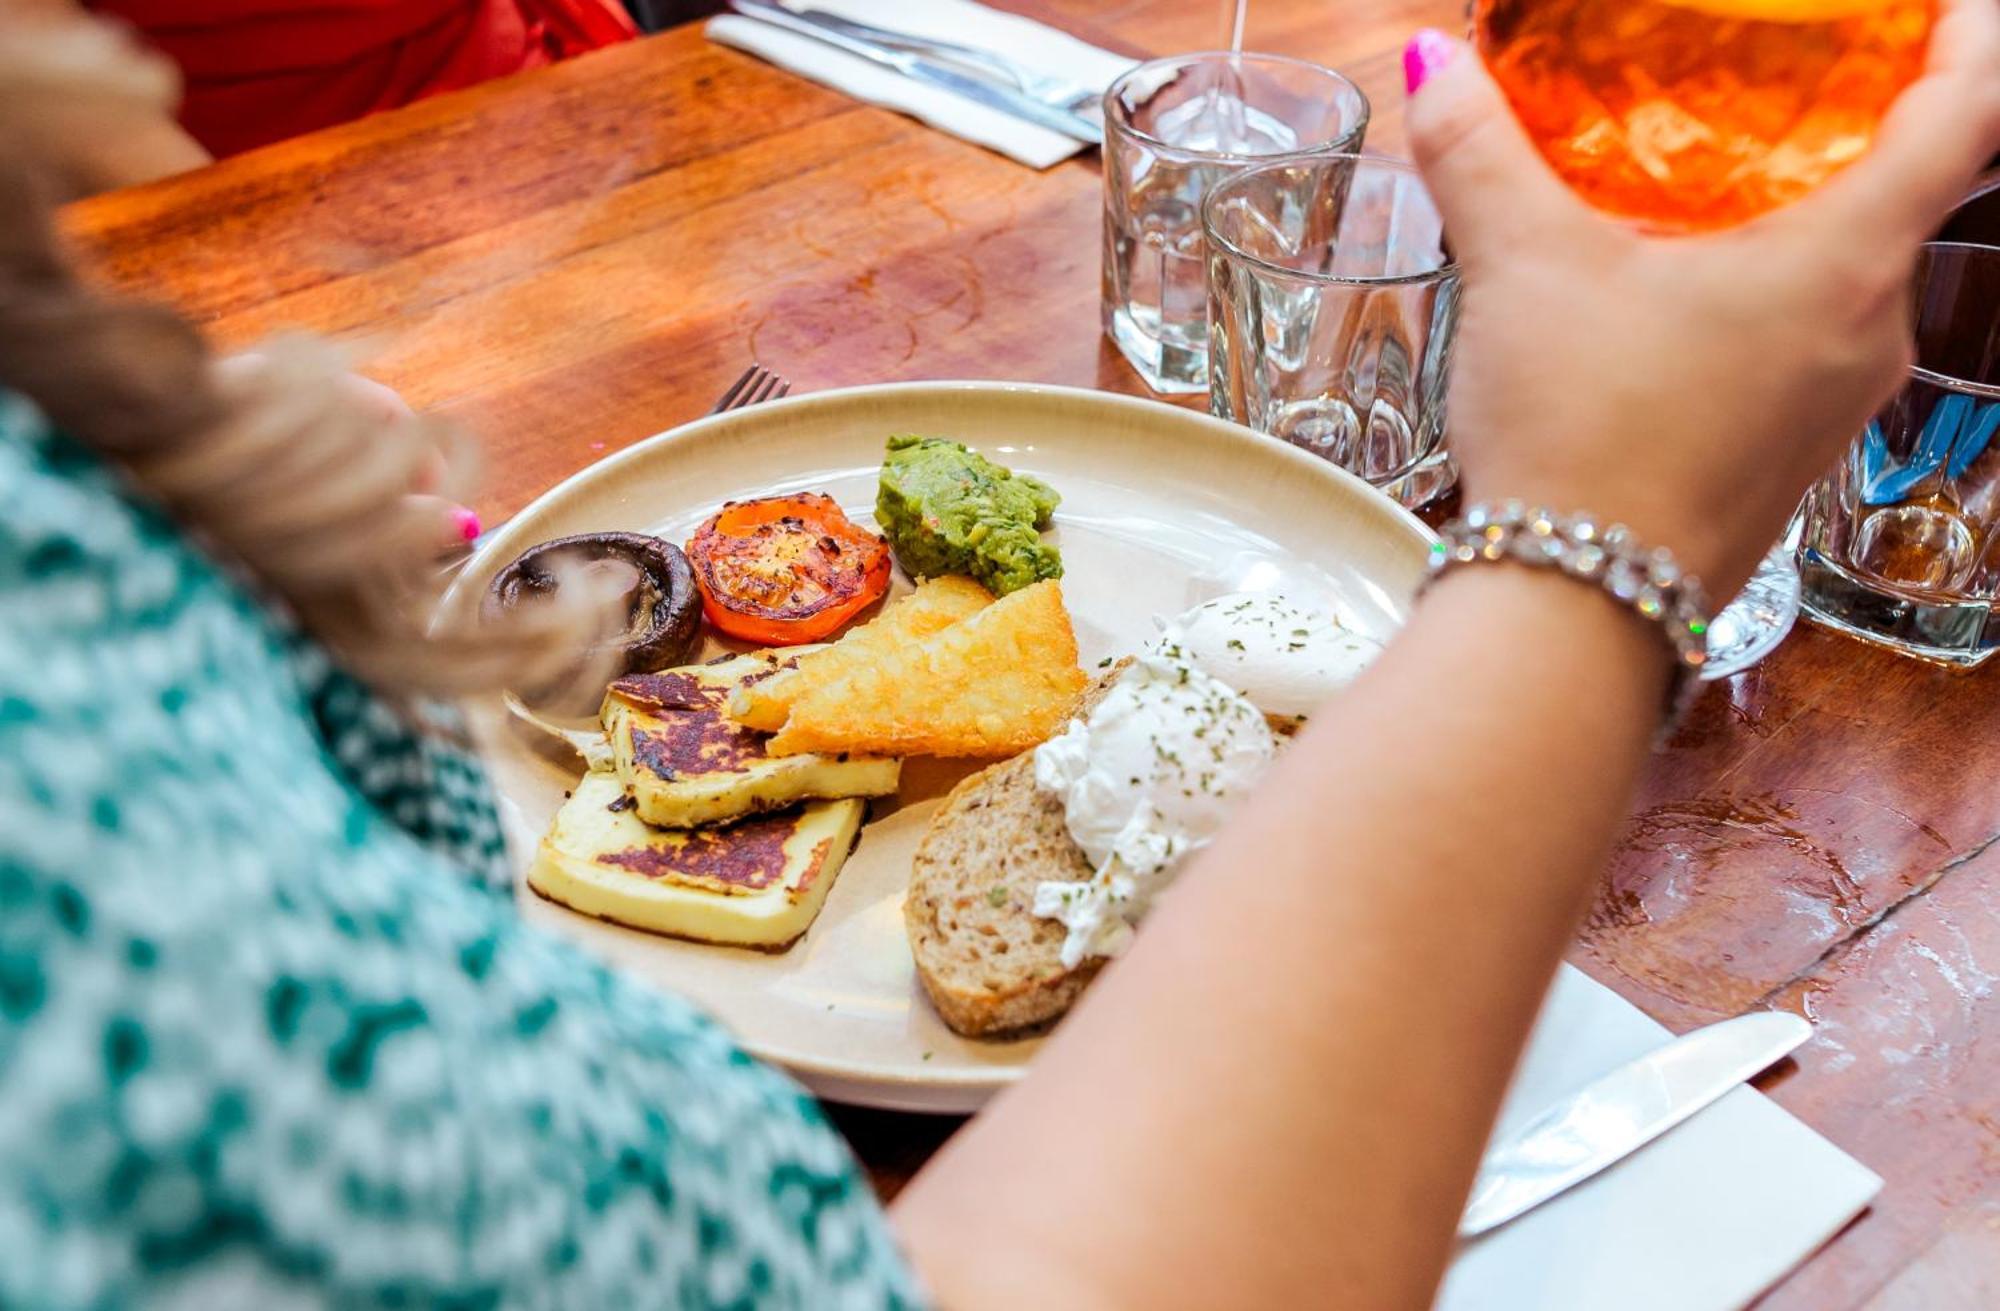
(1007,100)
(1622,1112)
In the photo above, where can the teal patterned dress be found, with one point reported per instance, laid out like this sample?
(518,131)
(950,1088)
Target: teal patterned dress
(271,1032)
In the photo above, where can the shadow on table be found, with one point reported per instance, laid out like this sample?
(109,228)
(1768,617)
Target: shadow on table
(892,1146)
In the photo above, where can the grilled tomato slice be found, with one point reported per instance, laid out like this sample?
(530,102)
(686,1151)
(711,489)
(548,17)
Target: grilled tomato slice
(783,570)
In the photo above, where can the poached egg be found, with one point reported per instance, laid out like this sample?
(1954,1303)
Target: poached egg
(1285,659)
(1148,777)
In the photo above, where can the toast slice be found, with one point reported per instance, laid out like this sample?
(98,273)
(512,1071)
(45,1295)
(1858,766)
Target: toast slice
(687,763)
(759,883)
(989,965)
(936,605)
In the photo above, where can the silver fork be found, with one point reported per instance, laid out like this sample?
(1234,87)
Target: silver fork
(757,384)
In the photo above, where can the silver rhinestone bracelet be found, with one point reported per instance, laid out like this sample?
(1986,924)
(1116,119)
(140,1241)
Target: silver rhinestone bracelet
(1650,582)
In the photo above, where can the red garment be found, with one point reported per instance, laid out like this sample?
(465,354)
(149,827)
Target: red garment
(261,70)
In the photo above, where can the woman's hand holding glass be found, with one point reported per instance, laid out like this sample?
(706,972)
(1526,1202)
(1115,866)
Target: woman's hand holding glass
(1691,387)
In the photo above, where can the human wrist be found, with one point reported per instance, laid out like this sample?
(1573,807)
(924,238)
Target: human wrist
(1718,548)
(1586,624)
(1609,559)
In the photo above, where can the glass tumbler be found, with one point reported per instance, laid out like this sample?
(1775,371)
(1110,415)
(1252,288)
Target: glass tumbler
(1901,543)
(1332,303)
(1172,129)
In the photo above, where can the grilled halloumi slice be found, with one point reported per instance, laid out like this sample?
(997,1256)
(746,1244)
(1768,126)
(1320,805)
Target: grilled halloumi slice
(758,884)
(687,763)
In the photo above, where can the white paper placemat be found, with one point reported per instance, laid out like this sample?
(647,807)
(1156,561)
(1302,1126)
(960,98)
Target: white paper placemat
(1703,1219)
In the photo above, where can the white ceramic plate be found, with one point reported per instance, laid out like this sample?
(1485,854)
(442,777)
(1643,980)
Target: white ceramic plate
(1162,508)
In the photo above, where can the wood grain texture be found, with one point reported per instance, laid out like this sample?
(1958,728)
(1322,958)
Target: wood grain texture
(575,259)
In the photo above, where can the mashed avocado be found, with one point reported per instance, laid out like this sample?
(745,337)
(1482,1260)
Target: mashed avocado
(948,510)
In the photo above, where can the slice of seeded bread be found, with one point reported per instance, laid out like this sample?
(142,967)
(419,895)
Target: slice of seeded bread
(990,965)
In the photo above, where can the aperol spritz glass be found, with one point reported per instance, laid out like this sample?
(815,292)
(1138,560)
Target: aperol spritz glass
(1685,115)
(1690,115)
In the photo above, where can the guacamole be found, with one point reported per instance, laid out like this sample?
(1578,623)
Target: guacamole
(948,510)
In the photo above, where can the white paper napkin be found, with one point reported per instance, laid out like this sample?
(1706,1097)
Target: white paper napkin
(1035,45)
(1703,1219)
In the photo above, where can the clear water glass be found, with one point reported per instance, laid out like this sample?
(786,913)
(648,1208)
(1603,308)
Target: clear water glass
(1332,304)
(1901,543)
(1173,128)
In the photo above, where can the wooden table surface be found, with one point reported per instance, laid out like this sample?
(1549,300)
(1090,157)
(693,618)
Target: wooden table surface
(575,259)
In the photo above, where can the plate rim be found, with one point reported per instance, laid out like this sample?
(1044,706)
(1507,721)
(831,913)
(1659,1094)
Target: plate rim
(945,1090)
(702,425)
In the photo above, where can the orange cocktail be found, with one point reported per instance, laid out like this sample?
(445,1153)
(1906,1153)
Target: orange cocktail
(1694,114)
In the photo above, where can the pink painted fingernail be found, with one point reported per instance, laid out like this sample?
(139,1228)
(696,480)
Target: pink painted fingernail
(467,523)
(1428,51)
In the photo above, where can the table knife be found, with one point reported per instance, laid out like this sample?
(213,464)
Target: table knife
(994,96)
(1622,1112)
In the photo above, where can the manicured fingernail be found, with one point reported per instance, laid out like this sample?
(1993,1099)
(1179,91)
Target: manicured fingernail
(467,523)
(1428,51)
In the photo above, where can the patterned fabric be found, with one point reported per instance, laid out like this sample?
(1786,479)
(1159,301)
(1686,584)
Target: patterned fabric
(268,1039)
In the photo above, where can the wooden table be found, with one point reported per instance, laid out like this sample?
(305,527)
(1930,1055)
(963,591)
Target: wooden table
(570,261)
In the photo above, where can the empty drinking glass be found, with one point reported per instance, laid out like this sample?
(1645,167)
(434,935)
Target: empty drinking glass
(1332,303)
(1172,129)
(1902,542)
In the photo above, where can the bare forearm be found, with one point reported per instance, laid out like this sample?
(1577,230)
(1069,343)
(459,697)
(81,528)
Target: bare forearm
(1286,1084)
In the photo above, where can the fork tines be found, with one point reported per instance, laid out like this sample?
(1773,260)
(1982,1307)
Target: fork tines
(756,385)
